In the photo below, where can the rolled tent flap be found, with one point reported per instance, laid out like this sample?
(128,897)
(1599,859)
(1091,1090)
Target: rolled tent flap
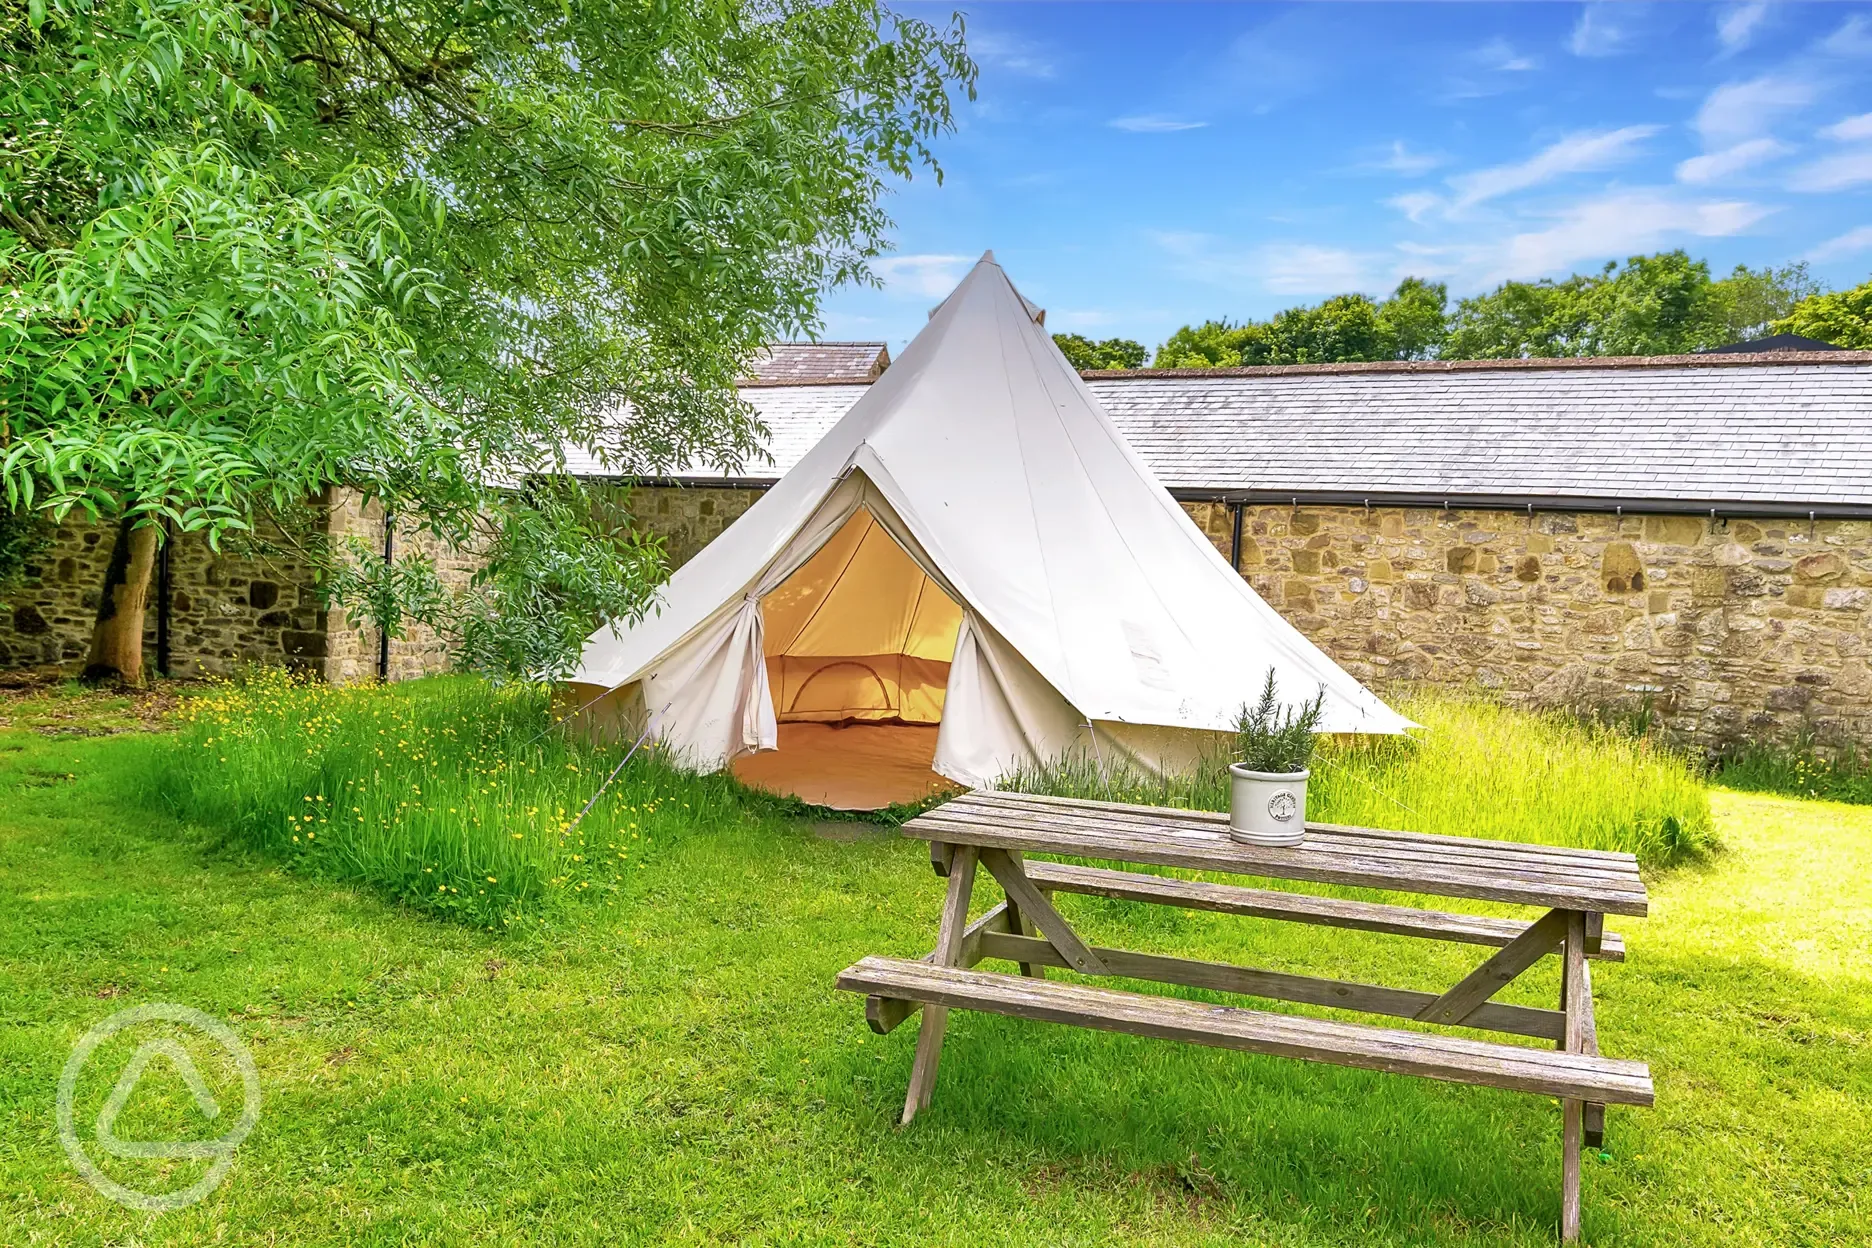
(711,701)
(999,714)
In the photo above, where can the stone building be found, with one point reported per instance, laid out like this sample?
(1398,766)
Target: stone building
(1685,536)
(1688,537)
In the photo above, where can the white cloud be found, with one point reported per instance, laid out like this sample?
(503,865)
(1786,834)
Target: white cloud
(1154,123)
(1576,153)
(1400,159)
(1012,53)
(1742,110)
(1850,243)
(1735,26)
(1849,128)
(1415,204)
(927,276)
(1618,224)
(1853,38)
(1715,166)
(1288,269)
(1834,173)
(1500,55)
(1304,269)
(1602,30)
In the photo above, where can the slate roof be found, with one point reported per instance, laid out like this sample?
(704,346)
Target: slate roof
(808,363)
(1764,433)
(1679,433)
(796,416)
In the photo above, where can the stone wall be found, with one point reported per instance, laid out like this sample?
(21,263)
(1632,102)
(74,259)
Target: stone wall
(688,518)
(249,602)
(1727,629)
(254,601)
(352,649)
(1724,629)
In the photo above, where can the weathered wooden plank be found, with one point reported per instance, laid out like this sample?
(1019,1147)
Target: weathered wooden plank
(1457,1059)
(948,952)
(1174,829)
(1018,925)
(1594,1124)
(1595,932)
(940,856)
(885,1015)
(1578,1002)
(1516,1020)
(1489,978)
(1035,906)
(1521,864)
(1228,856)
(1583,1032)
(1571,1111)
(1159,814)
(1425,843)
(1223,853)
(1365,916)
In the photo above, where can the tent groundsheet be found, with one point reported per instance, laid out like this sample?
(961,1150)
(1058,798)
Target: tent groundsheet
(857,766)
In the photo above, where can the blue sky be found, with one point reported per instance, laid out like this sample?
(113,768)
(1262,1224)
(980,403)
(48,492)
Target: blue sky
(1139,166)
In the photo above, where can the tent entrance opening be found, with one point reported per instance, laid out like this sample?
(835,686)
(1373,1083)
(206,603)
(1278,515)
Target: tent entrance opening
(858,645)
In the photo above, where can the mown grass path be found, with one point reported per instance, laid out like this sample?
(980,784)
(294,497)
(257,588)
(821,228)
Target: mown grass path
(677,1069)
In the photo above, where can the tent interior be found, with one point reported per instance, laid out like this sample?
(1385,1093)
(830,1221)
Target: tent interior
(858,642)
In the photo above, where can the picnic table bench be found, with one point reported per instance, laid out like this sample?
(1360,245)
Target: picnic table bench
(1577,888)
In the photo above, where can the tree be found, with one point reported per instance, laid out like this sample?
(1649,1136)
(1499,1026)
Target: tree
(250,250)
(1843,318)
(1417,318)
(1409,325)
(1085,354)
(1213,344)
(1752,300)
(1665,304)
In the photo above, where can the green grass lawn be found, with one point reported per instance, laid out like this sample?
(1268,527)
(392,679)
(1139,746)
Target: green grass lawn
(674,1067)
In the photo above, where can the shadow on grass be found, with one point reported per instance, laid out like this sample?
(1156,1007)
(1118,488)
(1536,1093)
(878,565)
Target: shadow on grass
(1764,1082)
(1259,1137)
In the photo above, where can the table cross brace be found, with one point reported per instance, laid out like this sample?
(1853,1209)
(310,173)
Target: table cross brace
(1499,971)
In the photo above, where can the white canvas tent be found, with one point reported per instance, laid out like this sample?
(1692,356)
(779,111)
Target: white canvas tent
(973,552)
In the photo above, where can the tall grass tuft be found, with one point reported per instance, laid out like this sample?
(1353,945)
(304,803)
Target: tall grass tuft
(1476,768)
(448,793)
(1802,769)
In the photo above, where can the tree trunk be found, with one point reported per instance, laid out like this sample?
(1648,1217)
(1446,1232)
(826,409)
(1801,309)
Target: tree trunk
(117,642)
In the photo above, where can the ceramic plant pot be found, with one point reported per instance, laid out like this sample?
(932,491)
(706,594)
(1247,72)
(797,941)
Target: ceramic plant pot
(1267,807)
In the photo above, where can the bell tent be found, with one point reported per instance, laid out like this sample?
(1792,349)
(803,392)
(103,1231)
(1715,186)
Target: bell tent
(970,572)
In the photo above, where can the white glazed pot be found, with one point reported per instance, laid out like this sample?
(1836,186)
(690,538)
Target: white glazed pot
(1267,807)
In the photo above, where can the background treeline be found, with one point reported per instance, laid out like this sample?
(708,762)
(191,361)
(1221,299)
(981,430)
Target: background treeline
(1664,304)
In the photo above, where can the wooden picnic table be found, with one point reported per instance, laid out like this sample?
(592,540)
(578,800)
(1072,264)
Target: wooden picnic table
(1576,889)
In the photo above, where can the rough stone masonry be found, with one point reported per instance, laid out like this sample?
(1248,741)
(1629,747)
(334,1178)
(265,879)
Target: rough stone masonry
(1725,629)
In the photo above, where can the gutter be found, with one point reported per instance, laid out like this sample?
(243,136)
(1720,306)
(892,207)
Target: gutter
(1436,500)
(1528,503)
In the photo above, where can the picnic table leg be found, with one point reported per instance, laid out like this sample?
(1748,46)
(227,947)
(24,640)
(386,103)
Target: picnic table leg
(948,952)
(1593,1126)
(1019,925)
(1576,1000)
